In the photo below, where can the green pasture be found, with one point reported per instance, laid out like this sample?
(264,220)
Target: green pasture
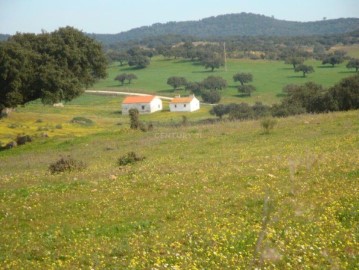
(269,77)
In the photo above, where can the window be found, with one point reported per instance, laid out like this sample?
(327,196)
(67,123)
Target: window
(184,105)
(143,107)
(175,105)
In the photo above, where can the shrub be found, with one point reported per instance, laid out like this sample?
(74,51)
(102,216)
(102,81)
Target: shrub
(184,120)
(22,139)
(134,119)
(260,110)
(82,121)
(240,111)
(129,158)
(246,89)
(268,124)
(66,164)
(219,110)
(211,96)
(58,126)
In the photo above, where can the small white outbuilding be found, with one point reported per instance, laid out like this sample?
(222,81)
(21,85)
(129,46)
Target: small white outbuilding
(184,104)
(144,104)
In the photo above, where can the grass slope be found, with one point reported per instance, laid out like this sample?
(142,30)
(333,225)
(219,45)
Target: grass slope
(269,77)
(220,196)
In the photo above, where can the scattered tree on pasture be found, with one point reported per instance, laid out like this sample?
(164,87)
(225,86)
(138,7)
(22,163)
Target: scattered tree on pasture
(176,82)
(334,58)
(353,63)
(211,96)
(243,78)
(246,89)
(212,61)
(305,69)
(121,78)
(214,83)
(131,77)
(138,61)
(294,61)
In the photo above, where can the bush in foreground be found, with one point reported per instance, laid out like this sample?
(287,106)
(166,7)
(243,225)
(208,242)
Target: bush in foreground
(129,158)
(268,124)
(66,164)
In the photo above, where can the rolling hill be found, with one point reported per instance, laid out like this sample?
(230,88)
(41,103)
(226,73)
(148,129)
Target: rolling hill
(243,24)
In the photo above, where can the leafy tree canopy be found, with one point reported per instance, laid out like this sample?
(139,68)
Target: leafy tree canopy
(246,89)
(212,61)
(138,61)
(51,66)
(294,61)
(305,69)
(176,81)
(353,63)
(334,58)
(243,78)
(214,83)
(211,96)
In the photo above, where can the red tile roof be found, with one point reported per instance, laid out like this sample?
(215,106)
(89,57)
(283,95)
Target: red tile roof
(182,100)
(138,99)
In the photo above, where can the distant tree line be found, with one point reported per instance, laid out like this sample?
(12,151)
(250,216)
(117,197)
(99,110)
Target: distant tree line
(299,99)
(254,47)
(135,57)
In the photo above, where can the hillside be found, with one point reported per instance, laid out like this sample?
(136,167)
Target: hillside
(4,37)
(221,196)
(243,24)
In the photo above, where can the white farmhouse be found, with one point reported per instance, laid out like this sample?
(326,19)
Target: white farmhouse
(185,104)
(144,104)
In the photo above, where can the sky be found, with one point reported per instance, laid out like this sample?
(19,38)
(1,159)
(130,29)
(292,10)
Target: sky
(115,16)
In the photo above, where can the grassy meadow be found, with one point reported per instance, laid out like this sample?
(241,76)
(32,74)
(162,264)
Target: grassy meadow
(222,196)
(206,196)
(269,77)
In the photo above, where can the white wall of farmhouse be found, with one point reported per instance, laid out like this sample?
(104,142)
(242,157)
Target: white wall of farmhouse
(153,106)
(191,106)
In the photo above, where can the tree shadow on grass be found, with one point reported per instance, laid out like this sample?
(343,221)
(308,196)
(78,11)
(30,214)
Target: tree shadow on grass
(115,85)
(242,96)
(183,61)
(296,76)
(232,86)
(166,91)
(131,69)
(325,66)
(286,68)
(281,95)
(349,71)
(116,112)
(204,71)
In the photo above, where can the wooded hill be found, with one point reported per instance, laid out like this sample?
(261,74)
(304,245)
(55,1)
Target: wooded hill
(243,24)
